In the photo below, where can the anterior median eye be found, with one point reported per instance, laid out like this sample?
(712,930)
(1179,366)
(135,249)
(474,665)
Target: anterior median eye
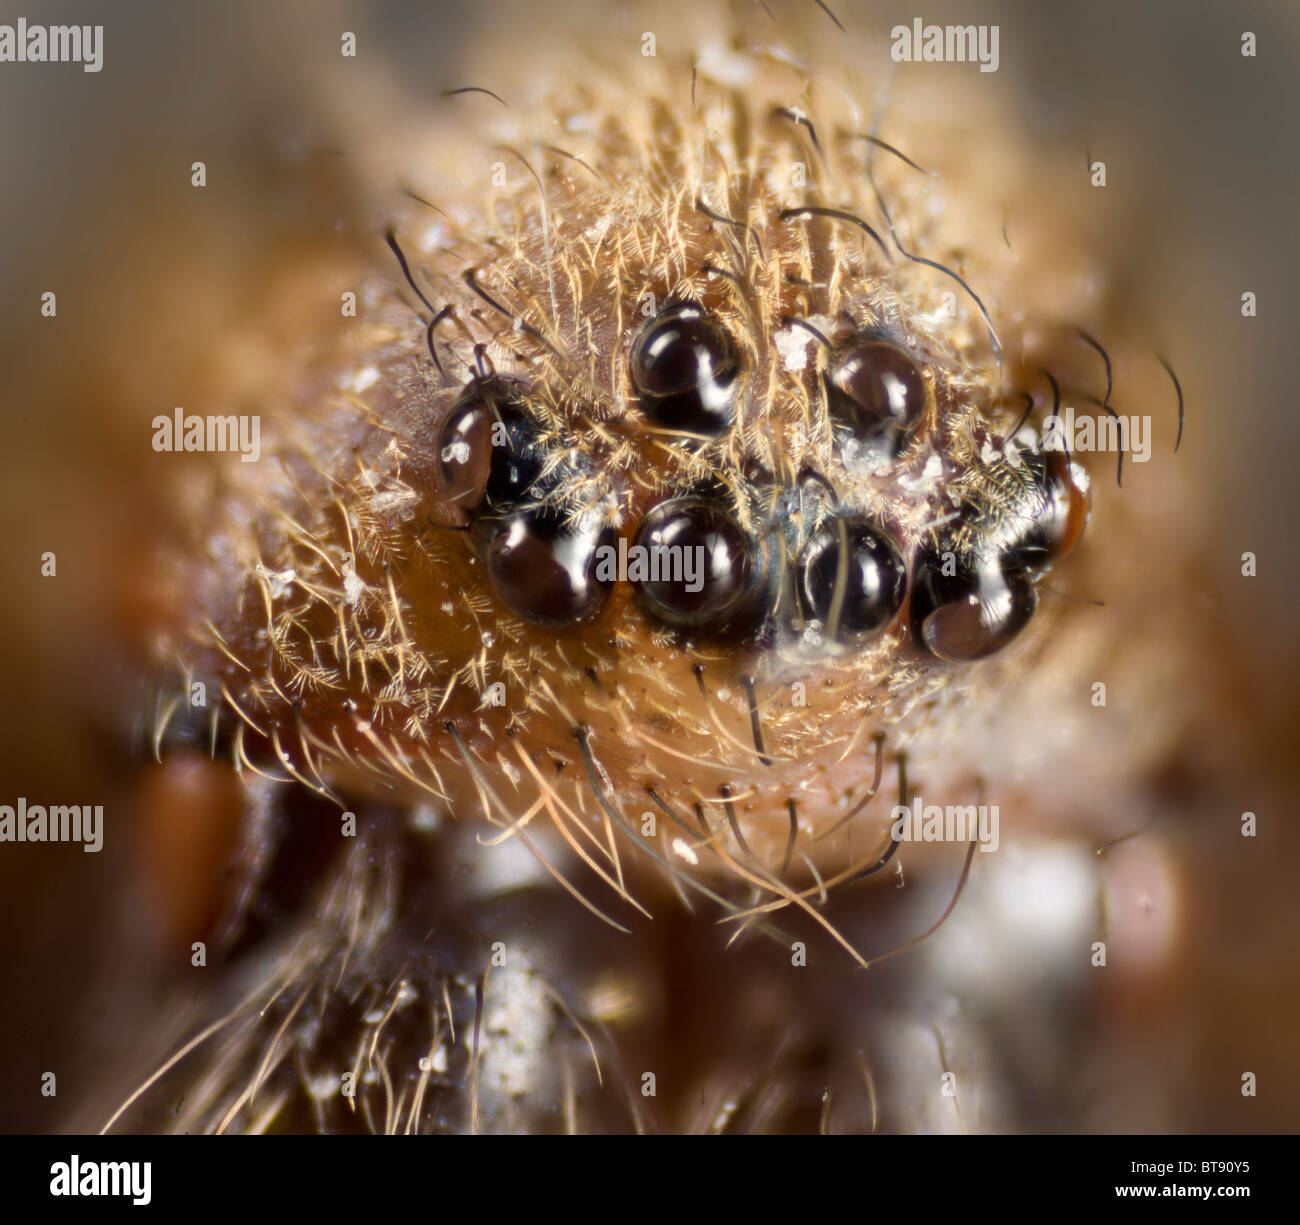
(699,564)
(852,579)
(879,392)
(685,370)
(547,572)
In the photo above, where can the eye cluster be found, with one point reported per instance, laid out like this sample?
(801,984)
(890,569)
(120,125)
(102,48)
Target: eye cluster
(704,568)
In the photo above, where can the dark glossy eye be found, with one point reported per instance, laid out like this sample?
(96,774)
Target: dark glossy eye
(864,596)
(516,464)
(964,609)
(685,370)
(1058,518)
(878,391)
(465,453)
(547,573)
(486,449)
(692,565)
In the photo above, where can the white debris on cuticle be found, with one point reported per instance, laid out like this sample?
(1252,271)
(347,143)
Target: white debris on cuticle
(395,503)
(277,583)
(932,472)
(363,379)
(425,818)
(812,635)
(432,238)
(437,1062)
(725,66)
(792,345)
(322,1088)
(598,231)
(352,585)
(580,121)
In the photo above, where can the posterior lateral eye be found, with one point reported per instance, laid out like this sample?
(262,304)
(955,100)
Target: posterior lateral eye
(486,452)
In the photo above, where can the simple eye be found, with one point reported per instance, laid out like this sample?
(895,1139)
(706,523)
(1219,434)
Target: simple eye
(699,565)
(515,467)
(864,596)
(547,573)
(967,609)
(465,453)
(485,449)
(878,391)
(1059,519)
(684,370)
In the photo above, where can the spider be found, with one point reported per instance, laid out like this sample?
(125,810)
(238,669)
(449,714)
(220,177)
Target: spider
(671,503)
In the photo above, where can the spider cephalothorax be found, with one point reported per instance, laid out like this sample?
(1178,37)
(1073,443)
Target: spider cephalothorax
(684,478)
(671,499)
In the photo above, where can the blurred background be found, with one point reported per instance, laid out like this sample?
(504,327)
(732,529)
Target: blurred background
(95,205)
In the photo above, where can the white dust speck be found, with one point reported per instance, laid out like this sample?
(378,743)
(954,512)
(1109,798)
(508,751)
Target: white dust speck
(598,231)
(425,818)
(395,503)
(432,238)
(682,848)
(792,345)
(725,66)
(438,1062)
(932,471)
(324,1087)
(278,584)
(364,378)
